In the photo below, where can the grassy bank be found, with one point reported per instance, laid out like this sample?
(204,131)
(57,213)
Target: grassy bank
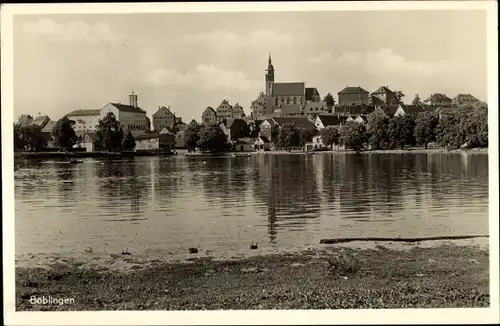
(445,276)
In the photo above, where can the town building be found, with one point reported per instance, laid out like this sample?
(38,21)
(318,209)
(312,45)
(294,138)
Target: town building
(41,121)
(153,141)
(163,117)
(412,110)
(288,110)
(85,120)
(25,120)
(384,96)
(238,112)
(209,116)
(262,144)
(224,110)
(261,108)
(244,145)
(282,98)
(324,121)
(439,100)
(353,96)
(131,116)
(90,142)
(464,100)
(315,108)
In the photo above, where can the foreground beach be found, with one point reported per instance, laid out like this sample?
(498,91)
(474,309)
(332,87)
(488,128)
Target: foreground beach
(334,277)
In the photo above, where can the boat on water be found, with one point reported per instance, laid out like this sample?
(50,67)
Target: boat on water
(74,161)
(241,155)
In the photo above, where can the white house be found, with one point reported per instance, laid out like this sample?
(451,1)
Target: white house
(262,143)
(131,117)
(244,145)
(85,120)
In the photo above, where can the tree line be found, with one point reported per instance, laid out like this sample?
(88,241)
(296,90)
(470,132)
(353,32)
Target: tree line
(109,133)
(455,128)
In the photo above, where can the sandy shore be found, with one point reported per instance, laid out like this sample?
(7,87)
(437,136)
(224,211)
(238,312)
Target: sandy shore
(331,277)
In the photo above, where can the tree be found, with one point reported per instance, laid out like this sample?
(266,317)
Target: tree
(64,134)
(192,135)
(19,142)
(275,130)
(29,138)
(401,131)
(353,135)
(477,127)
(239,129)
(399,96)
(213,139)
(289,136)
(109,132)
(306,136)
(425,128)
(254,130)
(330,136)
(128,141)
(377,130)
(330,100)
(416,100)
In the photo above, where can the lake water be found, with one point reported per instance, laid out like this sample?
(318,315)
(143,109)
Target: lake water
(168,204)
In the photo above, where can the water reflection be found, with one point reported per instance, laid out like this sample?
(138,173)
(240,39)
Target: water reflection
(223,203)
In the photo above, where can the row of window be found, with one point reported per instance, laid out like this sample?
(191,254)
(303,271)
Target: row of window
(135,127)
(289,100)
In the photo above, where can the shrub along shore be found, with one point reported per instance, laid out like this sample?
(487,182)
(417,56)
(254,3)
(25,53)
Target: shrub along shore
(329,278)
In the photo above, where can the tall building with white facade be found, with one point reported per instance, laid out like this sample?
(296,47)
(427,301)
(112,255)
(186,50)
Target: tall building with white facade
(131,116)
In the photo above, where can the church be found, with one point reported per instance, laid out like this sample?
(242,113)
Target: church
(282,98)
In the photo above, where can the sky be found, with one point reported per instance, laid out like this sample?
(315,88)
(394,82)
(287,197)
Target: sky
(189,61)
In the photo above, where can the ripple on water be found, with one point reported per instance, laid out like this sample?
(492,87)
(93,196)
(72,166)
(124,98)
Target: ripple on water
(288,200)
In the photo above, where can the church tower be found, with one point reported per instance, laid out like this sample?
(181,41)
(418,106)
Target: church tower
(269,77)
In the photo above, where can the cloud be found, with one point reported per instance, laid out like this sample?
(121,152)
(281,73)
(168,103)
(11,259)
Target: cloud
(207,77)
(380,62)
(72,31)
(224,40)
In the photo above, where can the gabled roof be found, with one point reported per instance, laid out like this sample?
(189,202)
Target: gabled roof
(49,126)
(376,101)
(329,120)
(437,97)
(144,135)
(92,135)
(163,109)
(77,113)
(465,97)
(353,89)
(362,117)
(209,109)
(413,109)
(289,89)
(225,102)
(40,119)
(382,90)
(264,139)
(310,92)
(316,106)
(291,109)
(168,131)
(300,122)
(247,141)
(127,108)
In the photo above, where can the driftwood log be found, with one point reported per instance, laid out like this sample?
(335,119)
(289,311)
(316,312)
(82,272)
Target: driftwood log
(451,237)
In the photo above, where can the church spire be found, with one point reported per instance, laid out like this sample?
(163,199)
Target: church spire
(269,61)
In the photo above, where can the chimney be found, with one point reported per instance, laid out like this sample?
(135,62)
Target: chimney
(133,100)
